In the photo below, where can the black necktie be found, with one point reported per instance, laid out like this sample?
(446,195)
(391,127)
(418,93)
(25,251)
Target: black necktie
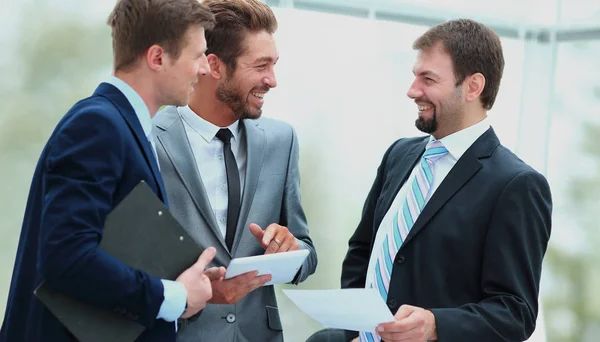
(233,185)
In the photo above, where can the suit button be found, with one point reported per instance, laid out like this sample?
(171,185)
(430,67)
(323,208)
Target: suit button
(400,259)
(230,318)
(392,303)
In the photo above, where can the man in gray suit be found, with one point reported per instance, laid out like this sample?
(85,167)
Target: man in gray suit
(232,178)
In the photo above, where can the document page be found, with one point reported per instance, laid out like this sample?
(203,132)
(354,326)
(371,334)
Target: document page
(350,309)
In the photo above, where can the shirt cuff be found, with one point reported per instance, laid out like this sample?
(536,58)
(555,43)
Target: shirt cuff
(173,305)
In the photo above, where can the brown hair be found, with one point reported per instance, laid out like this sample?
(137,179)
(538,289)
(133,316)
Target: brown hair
(235,18)
(139,24)
(473,48)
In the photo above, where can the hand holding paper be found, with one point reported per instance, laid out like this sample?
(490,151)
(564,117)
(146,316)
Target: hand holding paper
(412,323)
(350,309)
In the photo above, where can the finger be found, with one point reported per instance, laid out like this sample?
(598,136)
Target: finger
(244,277)
(270,232)
(273,247)
(288,243)
(258,282)
(404,311)
(213,273)
(263,279)
(394,326)
(222,271)
(415,320)
(257,231)
(386,327)
(410,335)
(402,325)
(205,279)
(282,234)
(205,258)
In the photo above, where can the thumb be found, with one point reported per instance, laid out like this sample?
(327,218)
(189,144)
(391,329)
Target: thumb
(205,258)
(213,273)
(404,311)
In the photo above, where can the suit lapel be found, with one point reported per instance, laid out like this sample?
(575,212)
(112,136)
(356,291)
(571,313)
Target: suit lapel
(401,173)
(181,156)
(255,143)
(120,101)
(464,169)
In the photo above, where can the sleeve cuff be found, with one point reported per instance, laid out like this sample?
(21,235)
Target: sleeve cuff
(175,298)
(296,279)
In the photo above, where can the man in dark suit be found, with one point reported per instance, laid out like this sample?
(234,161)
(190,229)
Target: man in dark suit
(455,227)
(98,152)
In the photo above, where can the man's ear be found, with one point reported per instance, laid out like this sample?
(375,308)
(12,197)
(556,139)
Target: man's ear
(156,57)
(474,86)
(217,67)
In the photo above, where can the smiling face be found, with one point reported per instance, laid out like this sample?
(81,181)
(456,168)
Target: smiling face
(243,90)
(439,100)
(181,74)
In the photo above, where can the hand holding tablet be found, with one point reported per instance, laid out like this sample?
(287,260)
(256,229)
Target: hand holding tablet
(282,266)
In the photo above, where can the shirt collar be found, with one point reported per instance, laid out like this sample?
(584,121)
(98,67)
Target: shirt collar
(457,143)
(139,106)
(206,129)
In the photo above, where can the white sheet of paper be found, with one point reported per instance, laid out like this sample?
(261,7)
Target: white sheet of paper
(350,309)
(281,266)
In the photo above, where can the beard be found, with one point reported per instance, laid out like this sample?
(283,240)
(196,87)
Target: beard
(452,113)
(229,93)
(428,126)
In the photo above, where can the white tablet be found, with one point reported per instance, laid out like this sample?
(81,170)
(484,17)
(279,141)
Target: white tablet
(281,266)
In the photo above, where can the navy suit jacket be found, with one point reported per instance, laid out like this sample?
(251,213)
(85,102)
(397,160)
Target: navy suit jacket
(474,255)
(96,155)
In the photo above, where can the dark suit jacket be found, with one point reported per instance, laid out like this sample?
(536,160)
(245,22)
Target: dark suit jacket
(96,155)
(474,255)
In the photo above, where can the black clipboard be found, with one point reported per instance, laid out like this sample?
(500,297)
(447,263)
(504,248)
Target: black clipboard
(141,233)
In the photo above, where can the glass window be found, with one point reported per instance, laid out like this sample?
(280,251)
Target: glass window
(579,12)
(572,267)
(515,11)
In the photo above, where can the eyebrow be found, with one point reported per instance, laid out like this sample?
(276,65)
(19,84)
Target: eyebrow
(265,59)
(427,73)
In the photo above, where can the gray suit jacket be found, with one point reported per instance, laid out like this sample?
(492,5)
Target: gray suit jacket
(271,194)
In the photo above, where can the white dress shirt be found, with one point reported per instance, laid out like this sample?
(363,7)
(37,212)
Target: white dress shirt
(456,144)
(208,154)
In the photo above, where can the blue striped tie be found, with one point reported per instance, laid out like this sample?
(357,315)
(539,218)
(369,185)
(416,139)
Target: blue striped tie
(403,221)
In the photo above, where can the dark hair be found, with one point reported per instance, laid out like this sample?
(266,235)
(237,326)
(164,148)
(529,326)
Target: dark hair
(473,48)
(233,20)
(139,24)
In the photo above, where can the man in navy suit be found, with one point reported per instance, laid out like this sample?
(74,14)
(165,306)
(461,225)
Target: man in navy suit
(99,151)
(455,227)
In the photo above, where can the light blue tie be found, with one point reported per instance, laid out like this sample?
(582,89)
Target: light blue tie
(403,221)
